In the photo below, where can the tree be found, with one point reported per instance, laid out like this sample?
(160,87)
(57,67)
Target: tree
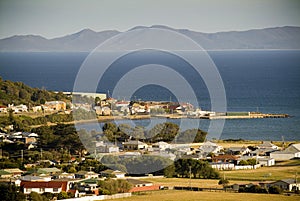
(10,192)
(243,162)
(252,161)
(62,195)
(34,196)
(191,135)
(223,182)
(169,171)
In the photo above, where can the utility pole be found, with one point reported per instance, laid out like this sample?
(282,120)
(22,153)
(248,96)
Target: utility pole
(41,153)
(22,156)
(190,181)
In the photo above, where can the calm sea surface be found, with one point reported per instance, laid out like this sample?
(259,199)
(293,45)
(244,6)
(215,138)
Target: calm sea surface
(267,81)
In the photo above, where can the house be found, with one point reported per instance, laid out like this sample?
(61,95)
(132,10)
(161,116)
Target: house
(88,186)
(293,151)
(238,150)
(210,147)
(64,175)
(35,178)
(5,174)
(55,106)
(18,108)
(48,171)
(113,173)
(263,161)
(3,109)
(36,108)
(225,158)
(16,172)
(161,146)
(102,147)
(86,175)
(139,185)
(134,145)
(41,187)
(285,184)
(267,145)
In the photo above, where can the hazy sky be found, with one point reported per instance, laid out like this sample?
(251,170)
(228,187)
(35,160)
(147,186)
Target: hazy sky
(54,18)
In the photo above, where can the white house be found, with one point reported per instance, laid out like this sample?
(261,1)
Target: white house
(134,145)
(18,108)
(106,147)
(266,161)
(209,147)
(286,184)
(293,151)
(267,145)
(161,146)
(116,173)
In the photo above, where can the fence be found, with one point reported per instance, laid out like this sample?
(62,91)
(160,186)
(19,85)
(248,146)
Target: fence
(100,197)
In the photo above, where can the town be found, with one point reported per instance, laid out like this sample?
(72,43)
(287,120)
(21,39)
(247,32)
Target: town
(51,159)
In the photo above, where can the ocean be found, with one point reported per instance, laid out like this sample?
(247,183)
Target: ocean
(263,80)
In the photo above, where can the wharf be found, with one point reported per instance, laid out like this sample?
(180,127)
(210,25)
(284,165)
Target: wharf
(251,115)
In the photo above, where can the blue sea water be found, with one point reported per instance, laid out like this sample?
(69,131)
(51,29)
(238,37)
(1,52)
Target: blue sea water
(267,81)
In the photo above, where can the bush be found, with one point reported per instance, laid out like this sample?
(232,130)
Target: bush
(275,190)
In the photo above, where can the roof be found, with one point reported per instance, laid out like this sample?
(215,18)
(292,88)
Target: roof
(3,172)
(48,170)
(237,148)
(13,170)
(266,144)
(161,143)
(134,142)
(41,184)
(82,172)
(225,157)
(90,181)
(287,181)
(109,171)
(294,148)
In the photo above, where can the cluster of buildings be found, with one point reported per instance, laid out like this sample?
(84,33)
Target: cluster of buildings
(81,183)
(232,158)
(49,106)
(28,138)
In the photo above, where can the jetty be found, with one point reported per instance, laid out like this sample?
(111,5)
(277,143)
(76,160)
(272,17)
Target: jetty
(244,115)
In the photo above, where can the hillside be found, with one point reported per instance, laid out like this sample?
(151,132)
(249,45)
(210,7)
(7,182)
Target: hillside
(19,93)
(86,40)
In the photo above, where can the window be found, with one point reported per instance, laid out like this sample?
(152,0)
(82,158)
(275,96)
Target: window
(55,189)
(28,190)
(42,190)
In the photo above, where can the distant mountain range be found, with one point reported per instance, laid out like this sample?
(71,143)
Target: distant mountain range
(86,40)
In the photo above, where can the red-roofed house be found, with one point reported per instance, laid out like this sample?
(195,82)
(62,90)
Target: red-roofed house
(42,187)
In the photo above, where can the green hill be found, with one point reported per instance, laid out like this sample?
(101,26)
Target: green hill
(20,93)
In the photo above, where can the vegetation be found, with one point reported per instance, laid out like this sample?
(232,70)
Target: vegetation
(195,168)
(223,182)
(10,192)
(19,93)
(167,132)
(112,186)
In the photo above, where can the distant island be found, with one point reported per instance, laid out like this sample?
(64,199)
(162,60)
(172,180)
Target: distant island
(282,38)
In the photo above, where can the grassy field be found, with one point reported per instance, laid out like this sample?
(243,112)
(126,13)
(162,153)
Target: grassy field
(264,173)
(172,195)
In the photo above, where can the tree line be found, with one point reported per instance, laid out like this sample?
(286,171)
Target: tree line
(167,132)
(20,93)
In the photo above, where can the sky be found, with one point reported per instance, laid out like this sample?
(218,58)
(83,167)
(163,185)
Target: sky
(56,18)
